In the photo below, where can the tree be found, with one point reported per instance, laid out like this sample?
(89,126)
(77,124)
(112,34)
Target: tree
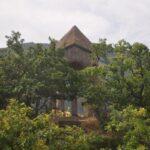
(18,130)
(131,125)
(32,75)
(128,74)
(101,50)
(96,92)
(121,81)
(140,55)
(95,83)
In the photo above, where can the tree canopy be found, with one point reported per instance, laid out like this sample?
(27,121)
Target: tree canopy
(116,86)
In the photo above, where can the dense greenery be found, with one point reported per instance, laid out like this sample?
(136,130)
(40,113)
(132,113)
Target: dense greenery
(123,80)
(33,74)
(132,126)
(18,131)
(129,128)
(116,87)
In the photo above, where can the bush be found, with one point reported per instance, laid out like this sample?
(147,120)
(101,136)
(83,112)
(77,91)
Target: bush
(21,132)
(103,142)
(132,126)
(130,129)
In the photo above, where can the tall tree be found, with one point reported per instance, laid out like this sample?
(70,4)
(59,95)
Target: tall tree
(121,81)
(33,74)
(128,73)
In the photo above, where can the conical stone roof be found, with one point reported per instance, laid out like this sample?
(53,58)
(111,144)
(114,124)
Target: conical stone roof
(74,37)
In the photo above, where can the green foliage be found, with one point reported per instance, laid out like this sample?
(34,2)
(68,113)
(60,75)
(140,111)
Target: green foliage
(132,126)
(96,92)
(19,131)
(128,75)
(74,82)
(105,142)
(122,80)
(15,42)
(32,74)
(100,51)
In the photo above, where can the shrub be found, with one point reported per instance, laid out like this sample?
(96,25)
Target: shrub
(132,126)
(21,132)
(103,142)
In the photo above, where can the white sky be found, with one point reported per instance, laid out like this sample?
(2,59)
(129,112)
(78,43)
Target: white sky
(111,19)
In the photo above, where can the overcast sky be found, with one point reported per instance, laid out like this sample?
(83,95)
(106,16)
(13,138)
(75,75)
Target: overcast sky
(111,19)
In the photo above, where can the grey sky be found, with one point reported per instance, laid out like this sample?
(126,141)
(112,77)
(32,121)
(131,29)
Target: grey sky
(111,19)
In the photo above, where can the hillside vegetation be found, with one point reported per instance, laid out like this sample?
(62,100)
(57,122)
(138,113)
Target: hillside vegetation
(116,87)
